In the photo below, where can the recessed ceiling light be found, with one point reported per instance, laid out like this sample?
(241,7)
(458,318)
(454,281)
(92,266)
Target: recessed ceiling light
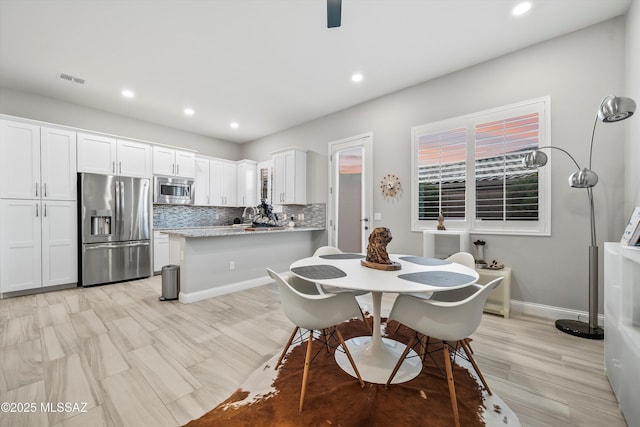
(127,93)
(521,8)
(189,111)
(357,77)
(234,125)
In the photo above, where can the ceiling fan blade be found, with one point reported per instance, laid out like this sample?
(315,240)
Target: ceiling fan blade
(334,13)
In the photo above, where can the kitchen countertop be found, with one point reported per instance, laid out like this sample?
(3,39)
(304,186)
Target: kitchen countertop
(231,231)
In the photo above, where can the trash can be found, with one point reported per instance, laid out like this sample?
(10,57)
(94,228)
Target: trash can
(170,282)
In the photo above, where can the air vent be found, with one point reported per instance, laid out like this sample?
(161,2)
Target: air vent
(71,79)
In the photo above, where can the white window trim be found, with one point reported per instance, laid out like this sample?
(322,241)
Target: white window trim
(541,227)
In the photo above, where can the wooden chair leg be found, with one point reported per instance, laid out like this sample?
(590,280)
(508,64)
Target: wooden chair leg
(286,347)
(364,319)
(452,386)
(468,342)
(305,372)
(467,350)
(406,351)
(397,327)
(348,353)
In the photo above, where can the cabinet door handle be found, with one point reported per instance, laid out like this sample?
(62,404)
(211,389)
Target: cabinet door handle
(45,209)
(45,189)
(178,169)
(173,168)
(36,191)
(37,211)
(113,166)
(120,166)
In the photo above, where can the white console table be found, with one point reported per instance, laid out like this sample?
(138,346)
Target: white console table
(622,326)
(499,300)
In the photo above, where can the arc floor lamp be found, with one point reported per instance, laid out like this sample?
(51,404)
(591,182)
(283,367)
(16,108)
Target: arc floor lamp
(612,109)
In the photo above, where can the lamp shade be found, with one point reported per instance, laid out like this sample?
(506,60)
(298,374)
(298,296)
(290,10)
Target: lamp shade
(616,108)
(583,178)
(534,159)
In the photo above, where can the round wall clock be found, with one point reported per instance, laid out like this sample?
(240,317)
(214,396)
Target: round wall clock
(390,185)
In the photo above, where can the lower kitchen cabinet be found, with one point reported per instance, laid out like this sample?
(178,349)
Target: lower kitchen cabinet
(160,250)
(38,244)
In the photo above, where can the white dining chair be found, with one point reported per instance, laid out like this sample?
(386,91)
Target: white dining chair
(449,322)
(315,313)
(332,250)
(462,258)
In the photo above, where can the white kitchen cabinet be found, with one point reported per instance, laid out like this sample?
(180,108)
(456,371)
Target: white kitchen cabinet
(97,154)
(110,156)
(37,162)
(247,183)
(167,161)
(38,243)
(134,159)
(290,176)
(160,250)
(201,184)
(223,182)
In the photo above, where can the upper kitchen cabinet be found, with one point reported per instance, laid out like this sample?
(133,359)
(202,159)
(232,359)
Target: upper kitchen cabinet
(201,182)
(290,176)
(167,161)
(247,182)
(223,182)
(37,162)
(110,156)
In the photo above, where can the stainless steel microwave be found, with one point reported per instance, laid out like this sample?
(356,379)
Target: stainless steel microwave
(173,190)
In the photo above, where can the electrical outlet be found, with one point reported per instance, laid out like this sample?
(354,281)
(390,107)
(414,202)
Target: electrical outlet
(300,216)
(232,265)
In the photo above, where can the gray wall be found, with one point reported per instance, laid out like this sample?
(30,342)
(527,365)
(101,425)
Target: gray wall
(632,142)
(576,71)
(36,107)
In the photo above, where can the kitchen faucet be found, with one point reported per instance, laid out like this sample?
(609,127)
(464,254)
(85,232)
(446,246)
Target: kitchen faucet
(244,213)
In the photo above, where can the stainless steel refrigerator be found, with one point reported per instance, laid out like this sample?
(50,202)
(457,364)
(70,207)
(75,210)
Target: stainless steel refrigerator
(115,227)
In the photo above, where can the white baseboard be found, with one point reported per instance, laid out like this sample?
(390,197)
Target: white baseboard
(517,307)
(550,312)
(224,289)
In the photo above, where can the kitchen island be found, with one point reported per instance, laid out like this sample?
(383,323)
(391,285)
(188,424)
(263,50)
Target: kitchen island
(219,260)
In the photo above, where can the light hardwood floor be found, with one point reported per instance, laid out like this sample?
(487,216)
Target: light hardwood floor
(128,359)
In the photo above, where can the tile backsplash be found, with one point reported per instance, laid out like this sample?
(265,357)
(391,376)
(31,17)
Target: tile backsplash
(179,216)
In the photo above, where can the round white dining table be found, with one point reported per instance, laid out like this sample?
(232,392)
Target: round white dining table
(375,356)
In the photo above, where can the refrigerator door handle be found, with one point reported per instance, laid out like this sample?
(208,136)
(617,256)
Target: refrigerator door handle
(116,245)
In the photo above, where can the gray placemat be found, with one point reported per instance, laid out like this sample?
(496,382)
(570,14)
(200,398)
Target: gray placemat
(342,256)
(443,279)
(319,272)
(424,261)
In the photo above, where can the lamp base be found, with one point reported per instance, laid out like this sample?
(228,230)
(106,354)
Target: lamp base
(580,329)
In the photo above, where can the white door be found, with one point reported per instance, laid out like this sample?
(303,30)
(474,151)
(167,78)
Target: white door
(216,177)
(96,154)
(185,164)
(20,245)
(19,160)
(59,242)
(58,164)
(201,186)
(350,193)
(164,161)
(230,183)
(134,159)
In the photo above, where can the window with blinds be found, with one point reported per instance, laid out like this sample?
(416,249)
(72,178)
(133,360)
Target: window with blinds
(469,169)
(442,174)
(505,190)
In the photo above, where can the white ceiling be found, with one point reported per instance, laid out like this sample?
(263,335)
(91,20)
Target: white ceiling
(267,64)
